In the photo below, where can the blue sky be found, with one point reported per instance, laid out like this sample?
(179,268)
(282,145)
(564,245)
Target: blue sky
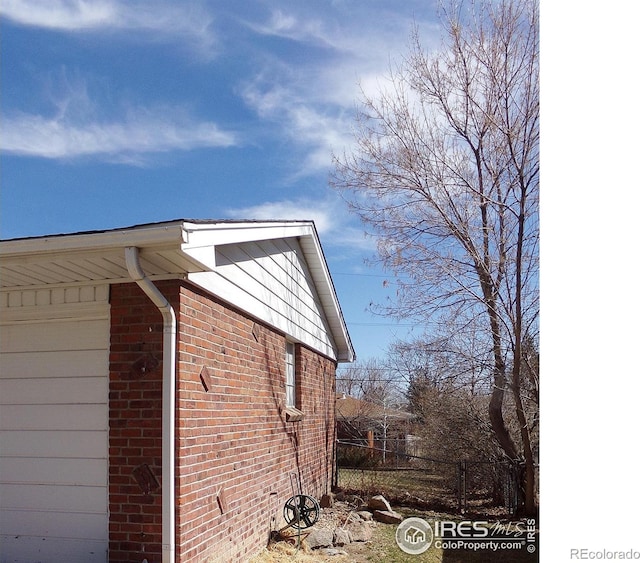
(119,112)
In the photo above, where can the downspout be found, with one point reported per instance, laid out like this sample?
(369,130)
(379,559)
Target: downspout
(168,400)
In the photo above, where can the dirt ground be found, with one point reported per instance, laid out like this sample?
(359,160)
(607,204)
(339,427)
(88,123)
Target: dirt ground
(373,551)
(382,547)
(285,553)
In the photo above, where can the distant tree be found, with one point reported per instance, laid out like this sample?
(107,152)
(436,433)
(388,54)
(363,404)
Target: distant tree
(449,400)
(370,381)
(382,395)
(445,175)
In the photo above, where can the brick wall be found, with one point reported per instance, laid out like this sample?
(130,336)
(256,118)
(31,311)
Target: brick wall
(238,456)
(135,426)
(238,459)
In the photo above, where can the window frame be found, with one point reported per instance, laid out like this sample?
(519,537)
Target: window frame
(290,374)
(291,383)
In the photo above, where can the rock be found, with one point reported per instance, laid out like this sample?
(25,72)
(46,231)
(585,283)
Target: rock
(365,515)
(340,496)
(333,551)
(379,503)
(388,516)
(326,501)
(360,531)
(320,537)
(341,537)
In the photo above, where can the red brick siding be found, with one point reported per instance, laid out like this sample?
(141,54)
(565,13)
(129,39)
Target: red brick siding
(135,424)
(234,445)
(234,439)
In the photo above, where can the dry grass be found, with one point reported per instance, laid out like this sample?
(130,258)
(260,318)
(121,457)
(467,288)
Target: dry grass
(283,552)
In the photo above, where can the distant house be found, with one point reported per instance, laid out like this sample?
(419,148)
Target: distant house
(164,389)
(375,426)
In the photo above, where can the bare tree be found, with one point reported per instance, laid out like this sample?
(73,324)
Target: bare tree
(380,399)
(445,174)
(369,380)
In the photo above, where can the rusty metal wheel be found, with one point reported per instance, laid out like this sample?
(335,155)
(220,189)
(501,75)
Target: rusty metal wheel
(301,511)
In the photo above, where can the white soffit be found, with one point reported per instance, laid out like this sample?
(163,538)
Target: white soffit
(167,250)
(96,256)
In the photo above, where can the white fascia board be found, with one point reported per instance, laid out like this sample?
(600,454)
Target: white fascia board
(203,237)
(327,294)
(168,234)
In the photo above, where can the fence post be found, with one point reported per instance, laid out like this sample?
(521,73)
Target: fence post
(462,486)
(508,480)
(397,448)
(515,479)
(336,467)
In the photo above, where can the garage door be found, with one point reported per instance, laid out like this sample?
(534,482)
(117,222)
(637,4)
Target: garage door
(54,438)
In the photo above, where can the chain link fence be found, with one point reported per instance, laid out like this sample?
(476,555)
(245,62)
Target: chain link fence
(464,486)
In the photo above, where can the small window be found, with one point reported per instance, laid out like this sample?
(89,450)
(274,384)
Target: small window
(293,414)
(290,370)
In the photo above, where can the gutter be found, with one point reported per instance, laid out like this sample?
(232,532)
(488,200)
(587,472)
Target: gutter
(132,259)
(162,235)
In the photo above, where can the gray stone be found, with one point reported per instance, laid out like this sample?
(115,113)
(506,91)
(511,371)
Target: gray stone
(341,537)
(365,515)
(333,551)
(387,516)
(379,503)
(320,537)
(360,531)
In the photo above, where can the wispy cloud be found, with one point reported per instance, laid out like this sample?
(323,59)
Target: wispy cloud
(333,223)
(78,123)
(316,127)
(66,15)
(312,101)
(317,132)
(319,212)
(186,22)
(323,132)
(290,26)
(141,133)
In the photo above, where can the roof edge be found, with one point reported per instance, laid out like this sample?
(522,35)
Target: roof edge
(183,234)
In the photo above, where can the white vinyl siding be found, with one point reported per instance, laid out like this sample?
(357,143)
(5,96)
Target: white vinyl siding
(271,280)
(54,386)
